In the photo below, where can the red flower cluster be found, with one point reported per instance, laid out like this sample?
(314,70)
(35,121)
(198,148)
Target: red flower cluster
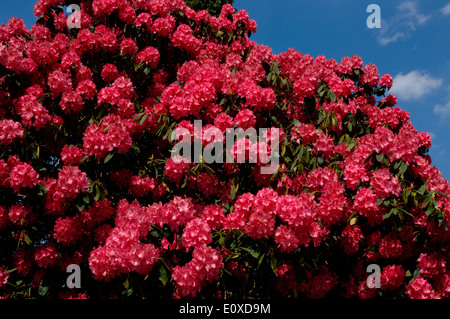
(87,175)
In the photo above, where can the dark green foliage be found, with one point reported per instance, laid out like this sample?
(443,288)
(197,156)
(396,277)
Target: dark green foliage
(213,6)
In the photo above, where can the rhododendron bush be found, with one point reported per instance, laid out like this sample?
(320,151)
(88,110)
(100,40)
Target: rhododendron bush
(87,176)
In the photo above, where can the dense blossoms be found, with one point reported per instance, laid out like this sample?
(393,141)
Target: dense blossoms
(10,130)
(89,174)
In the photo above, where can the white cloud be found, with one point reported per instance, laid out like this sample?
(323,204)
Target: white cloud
(385,40)
(408,10)
(432,135)
(442,111)
(446,9)
(414,85)
(402,24)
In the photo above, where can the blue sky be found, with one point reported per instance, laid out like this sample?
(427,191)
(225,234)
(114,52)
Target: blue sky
(412,45)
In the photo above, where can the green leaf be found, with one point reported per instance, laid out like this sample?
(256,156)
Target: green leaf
(300,153)
(185,181)
(275,69)
(253,253)
(261,259)
(43,290)
(430,210)
(135,148)
(130,292)
(406,212)
(222,240)
(80,206)
(36,152)
(380,158)
(27,239)
(313,163)
(352,120)
(422,190)
(350,146)
(427,201)
(387,215)
(137,66)
(42,189)
(143,119)
(86,199)
(97,193)
(126,284)
(163,275)
(138,117)
(394,211)
(403,168)
(108,158)
(283,150)
(370,157)
(440,218)
(334,121)
(9,270)
(274,264)
(320,117)
(321,88)
(350,126)
(233,191)
(332,96)
(307,156)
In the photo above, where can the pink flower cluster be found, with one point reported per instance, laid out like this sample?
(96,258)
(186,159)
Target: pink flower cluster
(9,131)
(204,268)
(71,181)
(123,251)
(69,230)
(71,155)
(33,113)
(318,285)
(17,175)
(3,277)
(111,134)
(46,255)
(150,56)
(184,39)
